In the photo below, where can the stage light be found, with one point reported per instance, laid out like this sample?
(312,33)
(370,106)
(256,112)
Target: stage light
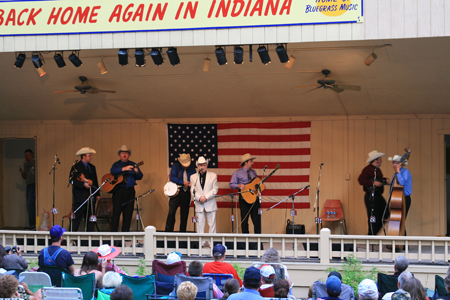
(140,57)
(221,56)
(290,62)
(41,71)
(264,55)
(75,60)
(102,68)
(123,57)
(173,56)
(59,60)
(238,55)
(282,54)
(36,59)
(20,59)
(206,64)
(157,56)
(370,59)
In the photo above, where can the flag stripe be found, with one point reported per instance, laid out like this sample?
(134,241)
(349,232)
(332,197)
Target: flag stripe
(263,132)
(270,192)
(267,138)
(256,151)
(271,165)
(273,178)
(281,171)
(265,125)
(263,144)
(267,158)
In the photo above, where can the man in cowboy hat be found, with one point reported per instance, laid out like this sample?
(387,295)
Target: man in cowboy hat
(373,186)
(404,178)
(82,188)
(204,187)
(239,179)
(180,174)
(125,191)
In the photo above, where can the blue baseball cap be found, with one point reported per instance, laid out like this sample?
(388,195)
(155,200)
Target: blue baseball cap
(252,275)
(219,250)
(57,231)
(333,284)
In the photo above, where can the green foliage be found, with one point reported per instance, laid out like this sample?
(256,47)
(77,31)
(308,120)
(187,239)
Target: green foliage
(32,263)
(125,270)
(141,268)
(240,271)
(352,272)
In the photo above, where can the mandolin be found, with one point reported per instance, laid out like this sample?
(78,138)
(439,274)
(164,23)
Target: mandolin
(111,185)
(250,191)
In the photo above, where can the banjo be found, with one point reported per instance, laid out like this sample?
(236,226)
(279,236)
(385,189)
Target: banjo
(171,189)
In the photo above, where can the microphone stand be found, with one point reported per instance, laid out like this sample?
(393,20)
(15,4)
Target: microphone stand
(193,192)
(372,211)
(316,202)
(232,197)
(53,170)
(78,208)
(138,217)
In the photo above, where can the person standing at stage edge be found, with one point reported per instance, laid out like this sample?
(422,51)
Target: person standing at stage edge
(28,174)
(180,174)
(239,179)
(125,191)
(81,188)
(366,179)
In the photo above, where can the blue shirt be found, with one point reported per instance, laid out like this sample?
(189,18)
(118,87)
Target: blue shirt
(64,258)
(247,294)
(240,176)
(129,176)
(405,179)
(177,173)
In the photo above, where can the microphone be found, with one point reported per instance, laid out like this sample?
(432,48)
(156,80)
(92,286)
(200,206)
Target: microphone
(265,168)
(321,164)
(57,159)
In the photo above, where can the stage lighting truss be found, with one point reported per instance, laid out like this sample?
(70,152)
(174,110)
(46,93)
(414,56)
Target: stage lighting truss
(156,54)
(264,55)
(123,57)
(20,59)
(281,51)
(221,56)
(58,57)
(74,58)
(139,55)
(238,55)
(173,56)
(37,59)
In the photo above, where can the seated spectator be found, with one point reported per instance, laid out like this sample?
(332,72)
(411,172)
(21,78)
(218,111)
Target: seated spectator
(367,290)
(9,287)
(401,295)
(415,289)
(122,292)
(267,279)
(252,282)
(281,289)
(89,265)
(54,255)
(402,278)
(219,266)
(271,256)
(15,260)
(109,252)
(400,265)
(447,286)
(111,280)
(230,287)
(334,287)
(187,291)
(2,254)
(173,257)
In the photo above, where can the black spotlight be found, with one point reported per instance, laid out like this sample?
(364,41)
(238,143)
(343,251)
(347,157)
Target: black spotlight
(157,56)
(221,58)
(282,54)
(173,56)
(123,57)
(59,60)
(36,61)
(140,57)
(20,59)
(75,60)
(238,55)
(264,55)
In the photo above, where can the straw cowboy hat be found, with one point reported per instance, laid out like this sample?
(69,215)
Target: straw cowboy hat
(123,148)
(395,158)
(185,160)
(107,251)
(85,150)
(246,157)
(201,160)
(374,155)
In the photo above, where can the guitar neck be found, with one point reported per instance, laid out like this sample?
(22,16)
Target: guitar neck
(271,173)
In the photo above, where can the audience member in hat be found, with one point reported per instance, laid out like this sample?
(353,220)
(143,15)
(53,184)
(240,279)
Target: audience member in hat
(415,289)
(239,179)
(252,282)
(83,178)
(367,290)
(230,287)
(272,256)
(187,291)
(54,255)
(173,257)
(180,174)
(281,289)
(219,266)
(195,269)
(122,292)
(447,286)
(402,279)
(334,288)
(9,287)
(90,265)
(111,280)
(124,191)
(366,180)
(108,252)
(401,295)
(14,260)
(267,279)
(401,264)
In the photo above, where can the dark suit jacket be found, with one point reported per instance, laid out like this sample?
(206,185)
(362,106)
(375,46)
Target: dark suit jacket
(79,192)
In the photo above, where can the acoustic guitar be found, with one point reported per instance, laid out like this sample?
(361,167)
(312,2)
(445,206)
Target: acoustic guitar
(250,191)
(111,185)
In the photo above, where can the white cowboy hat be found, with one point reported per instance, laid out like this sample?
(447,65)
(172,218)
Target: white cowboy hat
(374,155)
(185,160)
(395,158)
(123,148)
(201,160)
(85,150)
(246,157)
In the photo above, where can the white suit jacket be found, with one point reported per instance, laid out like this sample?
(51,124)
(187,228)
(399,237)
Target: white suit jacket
(210,190)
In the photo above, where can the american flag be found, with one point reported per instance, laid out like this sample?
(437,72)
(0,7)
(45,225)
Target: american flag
(287,144)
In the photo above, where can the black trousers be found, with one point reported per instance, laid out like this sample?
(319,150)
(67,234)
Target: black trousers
(79,216)
(378,205)
(121,196)
(183,199)
(247,210)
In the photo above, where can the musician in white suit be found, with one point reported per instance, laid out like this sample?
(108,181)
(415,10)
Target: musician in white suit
(204,187)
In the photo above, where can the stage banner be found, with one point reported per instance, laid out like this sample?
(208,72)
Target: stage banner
(287,144)
(36,17)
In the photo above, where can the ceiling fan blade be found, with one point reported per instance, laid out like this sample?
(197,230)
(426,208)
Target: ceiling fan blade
(304,86)
(312,89)
(105,91)
(356,88)
(68,91)
(91,91)
(335,88)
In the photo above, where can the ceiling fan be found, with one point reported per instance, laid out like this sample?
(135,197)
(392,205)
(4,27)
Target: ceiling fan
(328,83)
(84,88)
